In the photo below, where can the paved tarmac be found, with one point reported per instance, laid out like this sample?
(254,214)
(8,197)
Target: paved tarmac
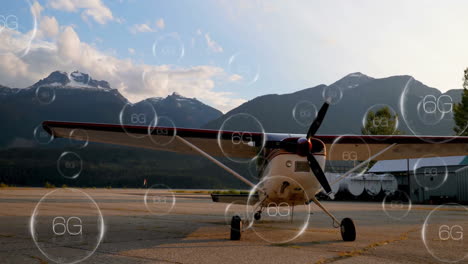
(190,228)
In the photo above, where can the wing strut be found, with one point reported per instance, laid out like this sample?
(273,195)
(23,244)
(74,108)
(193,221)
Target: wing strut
(215,161)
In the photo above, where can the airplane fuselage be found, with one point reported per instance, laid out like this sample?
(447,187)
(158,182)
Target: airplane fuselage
(287,179)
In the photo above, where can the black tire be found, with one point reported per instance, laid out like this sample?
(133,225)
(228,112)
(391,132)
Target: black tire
(258,216)
(348,230)
(236,227)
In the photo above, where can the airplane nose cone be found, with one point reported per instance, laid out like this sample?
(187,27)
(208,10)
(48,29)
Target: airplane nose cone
(304,147)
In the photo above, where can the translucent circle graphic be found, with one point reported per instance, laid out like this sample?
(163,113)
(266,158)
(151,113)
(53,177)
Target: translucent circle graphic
(41,136)
(241,138)
(285,216)
(63,233)
(348,151)
(428,175)
(243,65)
(332,94)
(427,112)
(443,233)
(79,138)
(304,113)
(159,199)
(45,94)
(164,133)
(69,165)
(380,118)
(397,205)
(140,115)
(18,28)
(168,49)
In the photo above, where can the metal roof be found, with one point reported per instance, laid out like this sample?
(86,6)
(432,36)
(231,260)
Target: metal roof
(401,165)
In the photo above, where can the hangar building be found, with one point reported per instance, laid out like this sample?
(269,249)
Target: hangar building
(429,180)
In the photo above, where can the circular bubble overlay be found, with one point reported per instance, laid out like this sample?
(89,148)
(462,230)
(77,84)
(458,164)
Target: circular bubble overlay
(427,111)
(304,113)
(443,233)
(164,133)
(70,165)
(65,233)
(380,119)
(285,216)
(397,205)
(18,27)
(241,138)
(244,67)
(345,154)
(45,94)
(159,199)
(233,209)
(141,114)
(168,49)
(332,94)
(79,138)
(41,136)
(427,175)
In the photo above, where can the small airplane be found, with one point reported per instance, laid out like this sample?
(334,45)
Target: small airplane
(300,159)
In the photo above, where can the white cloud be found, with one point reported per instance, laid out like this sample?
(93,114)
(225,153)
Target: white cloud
(49,26)
(141,28)
(235,78)
(135,81)
(215,47)
(146,27)
(94,9)
(131,51)
(160,23)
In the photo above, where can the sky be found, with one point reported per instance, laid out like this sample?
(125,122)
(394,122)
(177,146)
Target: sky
(225,52)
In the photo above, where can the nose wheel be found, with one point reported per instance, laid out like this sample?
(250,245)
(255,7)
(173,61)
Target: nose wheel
(348,230)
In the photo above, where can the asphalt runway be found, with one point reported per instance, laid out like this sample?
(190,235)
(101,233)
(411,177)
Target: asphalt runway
(190,228)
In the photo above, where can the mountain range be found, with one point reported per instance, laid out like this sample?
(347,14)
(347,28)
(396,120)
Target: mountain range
(353,97)
(78,97)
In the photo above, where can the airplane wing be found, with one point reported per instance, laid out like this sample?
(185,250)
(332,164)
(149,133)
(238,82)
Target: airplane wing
(247,145)
(216,143)
(406,147)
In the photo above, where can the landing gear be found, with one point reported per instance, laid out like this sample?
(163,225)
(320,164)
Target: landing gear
(236,227)
(348,230)
(258,215)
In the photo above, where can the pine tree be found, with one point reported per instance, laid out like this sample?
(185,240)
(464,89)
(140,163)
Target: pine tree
(460,110)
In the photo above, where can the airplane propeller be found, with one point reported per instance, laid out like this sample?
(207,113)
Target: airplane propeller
(303,147)
(313,163)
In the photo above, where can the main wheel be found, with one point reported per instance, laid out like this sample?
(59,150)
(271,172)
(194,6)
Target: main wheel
(348,230)
(258,215)
(236,227)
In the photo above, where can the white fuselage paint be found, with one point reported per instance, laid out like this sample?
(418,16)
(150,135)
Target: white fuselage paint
(302,185)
